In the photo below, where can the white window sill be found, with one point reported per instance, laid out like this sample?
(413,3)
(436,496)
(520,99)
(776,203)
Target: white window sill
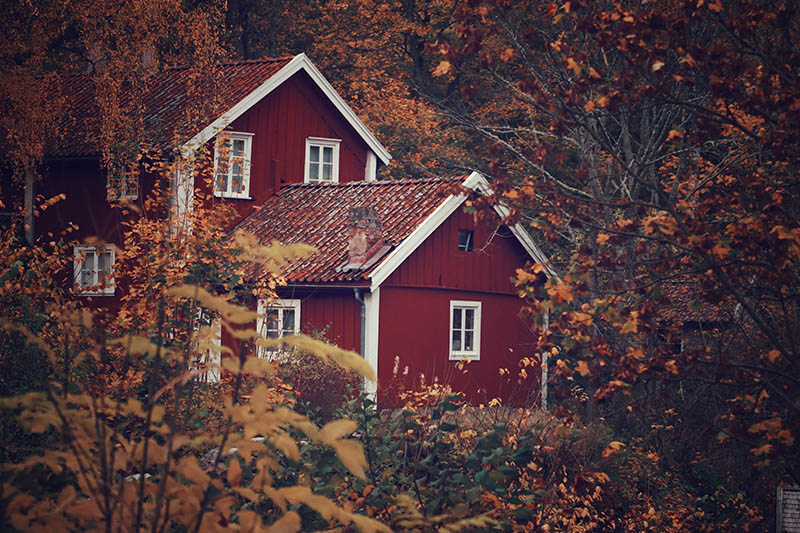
(91,293)
(232,196)
(460,356)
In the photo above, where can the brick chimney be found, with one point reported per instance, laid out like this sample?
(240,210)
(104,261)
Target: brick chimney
(365,243)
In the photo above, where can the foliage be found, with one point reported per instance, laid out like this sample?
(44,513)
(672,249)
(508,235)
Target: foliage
(654,148)
(320,387)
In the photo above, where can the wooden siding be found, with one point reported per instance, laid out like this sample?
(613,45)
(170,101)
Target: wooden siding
(414,327)
(332,313)
(438,263)
(281,122)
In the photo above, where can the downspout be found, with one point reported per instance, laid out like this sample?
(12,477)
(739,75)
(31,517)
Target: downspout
(360,299)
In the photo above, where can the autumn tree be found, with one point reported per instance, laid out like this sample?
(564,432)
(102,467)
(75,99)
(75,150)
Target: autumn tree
(654,146)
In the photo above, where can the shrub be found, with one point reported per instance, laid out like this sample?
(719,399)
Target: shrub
(320,386)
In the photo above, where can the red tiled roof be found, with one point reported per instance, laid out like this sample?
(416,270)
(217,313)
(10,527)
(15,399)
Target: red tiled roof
(317,214)
(174,107)
(685,302)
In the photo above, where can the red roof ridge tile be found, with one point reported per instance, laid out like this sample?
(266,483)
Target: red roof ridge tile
(363,183)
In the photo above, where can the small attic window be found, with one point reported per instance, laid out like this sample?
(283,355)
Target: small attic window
(322,160)
(465,238)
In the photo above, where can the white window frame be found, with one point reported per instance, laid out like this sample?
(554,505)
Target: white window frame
(475,353)
(322,143)
(127,179)
(281,305)
(97,286)
(230,136)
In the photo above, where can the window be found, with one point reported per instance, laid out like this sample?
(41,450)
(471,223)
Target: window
(123,184)
(277,319)
(232,165)
(465,237)
(465,330)
(322,160)
(94,270)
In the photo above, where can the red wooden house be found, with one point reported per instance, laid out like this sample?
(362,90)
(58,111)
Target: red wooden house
(406,277)
(403,273)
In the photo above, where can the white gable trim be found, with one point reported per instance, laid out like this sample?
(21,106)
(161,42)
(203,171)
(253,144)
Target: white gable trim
(525,239)
(412,242)
(299,62)
(476,182)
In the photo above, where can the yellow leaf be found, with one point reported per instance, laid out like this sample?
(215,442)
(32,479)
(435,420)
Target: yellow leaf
(583,368)
(443,68)
(189,469)
(289,523)
(773,355)
(571,64)
(351,454)
(234,473)
(674,134)
(336,430)
(589,107)
(658,65)
(720,250)
(507,54)
(602,238)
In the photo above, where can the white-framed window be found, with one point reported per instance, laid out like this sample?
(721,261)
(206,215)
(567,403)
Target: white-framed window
(322,160)
(465,330)
(232,156)
(123,183)
(277,319)
(93,267)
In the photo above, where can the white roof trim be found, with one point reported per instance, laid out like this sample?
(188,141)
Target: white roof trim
(476,182)
(299,62)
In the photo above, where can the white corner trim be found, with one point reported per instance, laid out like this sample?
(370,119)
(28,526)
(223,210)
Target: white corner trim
(372,302)
(299,62)
(414,240)
(475,181)
(371,167)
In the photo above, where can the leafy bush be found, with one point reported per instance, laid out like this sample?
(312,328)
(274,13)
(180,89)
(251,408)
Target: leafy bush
(320,386)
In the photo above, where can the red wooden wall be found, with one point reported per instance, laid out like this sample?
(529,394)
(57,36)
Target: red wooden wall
(414,327)
(415,314)
(332,313)
(281,122)
(438,263)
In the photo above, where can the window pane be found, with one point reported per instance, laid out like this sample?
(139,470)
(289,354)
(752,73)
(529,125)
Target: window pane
(105,263)
(313,154)
(469,318)
(327,154)
(288,321)
(88,268)
(468,341)
(456,318)
(222,182)
(238,147)
(456,341)
(237,175)
(313,172)
(271,323)
(327,172)
(465,237)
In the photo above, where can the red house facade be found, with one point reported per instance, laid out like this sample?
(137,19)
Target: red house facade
(403,274)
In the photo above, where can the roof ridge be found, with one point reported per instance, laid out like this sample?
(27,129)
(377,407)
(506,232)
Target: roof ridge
(376,183)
